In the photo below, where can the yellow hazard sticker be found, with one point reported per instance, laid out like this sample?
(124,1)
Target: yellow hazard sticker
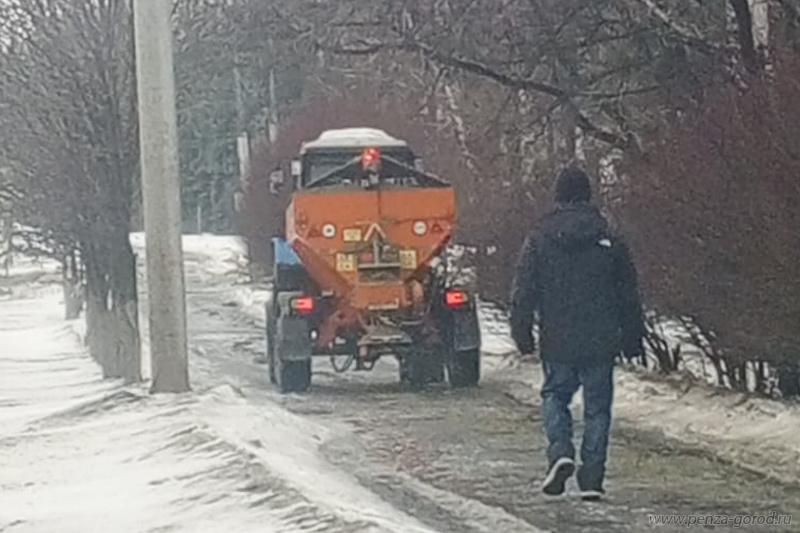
(345,262)
(408,259)
(352,235)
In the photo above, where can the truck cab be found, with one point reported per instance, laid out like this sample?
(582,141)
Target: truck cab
(335,149)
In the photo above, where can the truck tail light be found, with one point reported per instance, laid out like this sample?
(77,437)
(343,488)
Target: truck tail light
(303,305)
(370,157)
(455,298)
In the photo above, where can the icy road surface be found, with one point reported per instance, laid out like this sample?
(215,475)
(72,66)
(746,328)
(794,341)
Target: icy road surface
(356,454)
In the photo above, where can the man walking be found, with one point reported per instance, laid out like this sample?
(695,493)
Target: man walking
(578,277)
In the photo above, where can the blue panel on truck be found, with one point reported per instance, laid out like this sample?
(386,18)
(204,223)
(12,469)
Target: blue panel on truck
(284,254)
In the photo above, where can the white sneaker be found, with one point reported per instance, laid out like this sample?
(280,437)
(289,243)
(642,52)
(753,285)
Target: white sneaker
(556,480)
(592,495)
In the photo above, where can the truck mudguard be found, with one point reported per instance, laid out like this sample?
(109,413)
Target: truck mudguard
(292,339)
(292,336)
(466,329)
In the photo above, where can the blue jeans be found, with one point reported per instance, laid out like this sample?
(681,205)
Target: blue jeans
(561,382)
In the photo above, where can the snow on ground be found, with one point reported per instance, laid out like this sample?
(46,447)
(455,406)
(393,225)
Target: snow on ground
(495,331)
(81,454)
(43,369)
(757,434)
(28,277)
(753,433)
(218,255)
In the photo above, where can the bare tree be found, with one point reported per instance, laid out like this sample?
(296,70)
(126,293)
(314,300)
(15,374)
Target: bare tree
(69,136)
(714,216)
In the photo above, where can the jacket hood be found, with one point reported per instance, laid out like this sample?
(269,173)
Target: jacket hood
(574,225)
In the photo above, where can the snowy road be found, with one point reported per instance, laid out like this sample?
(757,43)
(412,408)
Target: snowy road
(355,454)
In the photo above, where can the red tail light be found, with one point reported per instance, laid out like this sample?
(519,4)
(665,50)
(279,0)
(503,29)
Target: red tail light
(303,304)
(455,298)
(369,157)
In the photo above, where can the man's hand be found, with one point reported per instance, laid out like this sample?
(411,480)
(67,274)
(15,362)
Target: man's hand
(634,352)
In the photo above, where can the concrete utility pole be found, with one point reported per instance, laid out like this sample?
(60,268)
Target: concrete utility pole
(161,191)
(272,126)
(242,137)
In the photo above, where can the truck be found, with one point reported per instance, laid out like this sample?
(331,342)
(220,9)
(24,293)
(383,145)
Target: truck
(360,273)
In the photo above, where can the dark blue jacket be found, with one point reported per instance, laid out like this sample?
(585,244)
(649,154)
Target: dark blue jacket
(580,280)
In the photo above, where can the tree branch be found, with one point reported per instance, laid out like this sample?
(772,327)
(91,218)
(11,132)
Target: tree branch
(690,37)
(744,23)
(505,80)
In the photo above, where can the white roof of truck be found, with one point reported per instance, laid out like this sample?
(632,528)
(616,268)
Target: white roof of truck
(354,138)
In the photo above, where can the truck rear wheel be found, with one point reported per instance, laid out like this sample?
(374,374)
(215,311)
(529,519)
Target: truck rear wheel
(436,372)
(464,368)
(412,370)
(418,367)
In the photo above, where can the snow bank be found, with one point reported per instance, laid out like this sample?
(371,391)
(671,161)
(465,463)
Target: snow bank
(80,454)
(28,277)
(198,463)
(43,367)
(495,331)
(756,434)
(252,302)
(214,256)
(288,445)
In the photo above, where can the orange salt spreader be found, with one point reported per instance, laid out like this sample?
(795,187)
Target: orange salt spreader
(360,273)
